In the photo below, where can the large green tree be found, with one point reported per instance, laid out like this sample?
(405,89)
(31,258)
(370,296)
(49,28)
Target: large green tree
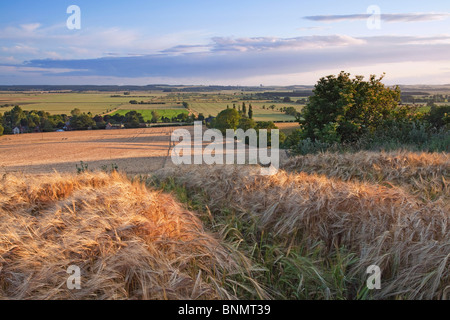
(75,112)
(227,119)
(132,119)
(247,123)
(342,108)
(80,122)
(17,115)
(155,116)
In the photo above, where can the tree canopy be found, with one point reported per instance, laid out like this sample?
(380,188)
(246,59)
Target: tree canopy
(227,119)
(341,108)
(81,122)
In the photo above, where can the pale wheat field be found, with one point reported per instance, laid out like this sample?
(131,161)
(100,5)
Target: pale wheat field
(132,150)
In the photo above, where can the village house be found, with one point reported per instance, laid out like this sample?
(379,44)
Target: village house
(67,126)
(110,126)
(209,119)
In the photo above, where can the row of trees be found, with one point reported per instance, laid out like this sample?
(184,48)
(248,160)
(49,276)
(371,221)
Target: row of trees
(30,121)
(243,112)
(41,121)
(134,119)
(233,119)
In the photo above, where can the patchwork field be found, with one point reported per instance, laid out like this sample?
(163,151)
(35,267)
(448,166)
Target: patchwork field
(94,102)
(109,102)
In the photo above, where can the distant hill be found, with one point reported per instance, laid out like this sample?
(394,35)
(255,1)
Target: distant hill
(153,87)
(263,91)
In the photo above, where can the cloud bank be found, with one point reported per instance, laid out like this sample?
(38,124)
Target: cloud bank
(227,58)
(112,55)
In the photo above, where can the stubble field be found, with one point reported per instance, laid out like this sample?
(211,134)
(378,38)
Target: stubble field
(132,150)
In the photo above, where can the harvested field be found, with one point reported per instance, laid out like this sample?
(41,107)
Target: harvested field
(287,127)
(128,241)
(133,150)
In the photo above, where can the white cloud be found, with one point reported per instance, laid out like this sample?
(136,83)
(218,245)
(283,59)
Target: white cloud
(321,28)
(8,60)
(24,69)
(221,44)
(20,48)
(89,42)
(387,17)
(30,27)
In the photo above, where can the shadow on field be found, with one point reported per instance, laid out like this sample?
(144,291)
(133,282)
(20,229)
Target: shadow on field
(136,165)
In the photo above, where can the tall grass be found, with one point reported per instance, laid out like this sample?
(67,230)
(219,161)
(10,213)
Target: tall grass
(278,269)
(373,225)
(426,175)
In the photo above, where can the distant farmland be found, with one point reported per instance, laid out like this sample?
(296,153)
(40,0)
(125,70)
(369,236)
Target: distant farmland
(165,103)
(147,113)
(259,114)
(94,102)
(63,103)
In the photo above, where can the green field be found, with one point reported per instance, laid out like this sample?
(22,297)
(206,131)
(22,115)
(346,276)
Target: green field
(259,114)
(147,113)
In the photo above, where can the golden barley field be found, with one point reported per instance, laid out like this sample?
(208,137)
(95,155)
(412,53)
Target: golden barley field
(426,175)
(225,232)
(129,242)
(390,210)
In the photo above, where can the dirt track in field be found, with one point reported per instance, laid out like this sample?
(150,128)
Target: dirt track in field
(133,150)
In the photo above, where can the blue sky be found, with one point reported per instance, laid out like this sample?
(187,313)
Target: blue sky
(223,42)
